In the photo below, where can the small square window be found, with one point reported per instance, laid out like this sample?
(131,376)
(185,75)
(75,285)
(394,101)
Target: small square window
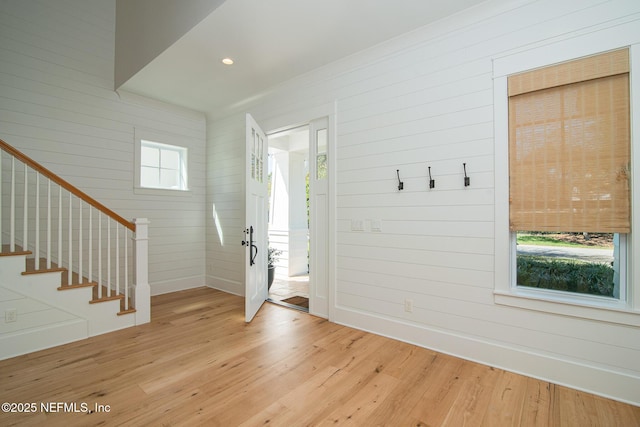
(162,166)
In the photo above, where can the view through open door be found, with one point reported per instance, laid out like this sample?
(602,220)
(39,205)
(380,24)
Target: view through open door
(255,239)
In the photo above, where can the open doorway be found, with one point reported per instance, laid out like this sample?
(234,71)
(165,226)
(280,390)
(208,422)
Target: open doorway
(289,217)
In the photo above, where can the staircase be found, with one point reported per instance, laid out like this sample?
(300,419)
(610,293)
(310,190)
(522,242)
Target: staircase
(70,268)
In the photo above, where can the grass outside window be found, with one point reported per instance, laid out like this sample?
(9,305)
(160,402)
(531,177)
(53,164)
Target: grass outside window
(566,273)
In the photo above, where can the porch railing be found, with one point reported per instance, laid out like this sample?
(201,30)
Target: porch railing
(66,229)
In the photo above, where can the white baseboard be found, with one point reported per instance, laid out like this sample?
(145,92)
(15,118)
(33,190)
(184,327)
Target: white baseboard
(592,379)
(168,286)
(230,286)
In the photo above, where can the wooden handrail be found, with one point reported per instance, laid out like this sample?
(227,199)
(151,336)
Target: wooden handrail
(64,184)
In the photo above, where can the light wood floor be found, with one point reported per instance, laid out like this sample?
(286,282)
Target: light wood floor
(198,363)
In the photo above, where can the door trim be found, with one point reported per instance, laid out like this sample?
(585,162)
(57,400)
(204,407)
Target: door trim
(303,117)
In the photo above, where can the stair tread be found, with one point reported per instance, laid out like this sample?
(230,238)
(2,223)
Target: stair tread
(106,298)
(17,250)
(77,285)
(44,270)
(32,268)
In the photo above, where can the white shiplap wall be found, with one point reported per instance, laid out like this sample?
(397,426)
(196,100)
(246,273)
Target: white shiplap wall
(225,204)
(426,99)
(58,106)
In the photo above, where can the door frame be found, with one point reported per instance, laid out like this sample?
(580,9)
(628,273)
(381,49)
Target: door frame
(303,117)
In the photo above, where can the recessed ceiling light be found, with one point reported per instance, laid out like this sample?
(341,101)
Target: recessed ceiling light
(227,61)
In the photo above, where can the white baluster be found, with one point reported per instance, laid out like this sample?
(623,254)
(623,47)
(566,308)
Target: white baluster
(60,226)
(80,275)
(12,213)
(69,273)
(90,245)
(25,243)
(48,224)
(118,259)
(99,255)
(37,228)
(108,256)
(126,270)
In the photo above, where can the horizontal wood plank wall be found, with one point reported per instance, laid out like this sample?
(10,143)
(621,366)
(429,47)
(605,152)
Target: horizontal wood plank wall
(58,106)
(426,99)
(225,204)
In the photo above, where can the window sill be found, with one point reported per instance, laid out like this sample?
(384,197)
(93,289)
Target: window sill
(593,308)
(161,191)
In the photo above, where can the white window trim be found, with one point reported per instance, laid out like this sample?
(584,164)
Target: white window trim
(159,138)
(627,311)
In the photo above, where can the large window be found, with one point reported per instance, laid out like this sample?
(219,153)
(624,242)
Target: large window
(565,153)
(569,168)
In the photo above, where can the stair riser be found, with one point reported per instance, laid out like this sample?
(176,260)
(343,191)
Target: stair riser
(40,338)
(43,287)
(11,267)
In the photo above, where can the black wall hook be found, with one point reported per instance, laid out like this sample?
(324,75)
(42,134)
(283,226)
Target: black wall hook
(466,178)
(400,183)
(432,182)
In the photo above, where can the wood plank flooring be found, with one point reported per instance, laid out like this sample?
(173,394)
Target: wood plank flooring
(198,363)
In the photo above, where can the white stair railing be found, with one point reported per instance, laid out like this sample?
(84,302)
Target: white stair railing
(85,234)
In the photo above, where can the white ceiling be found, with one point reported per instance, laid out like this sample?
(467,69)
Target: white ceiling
(272,41)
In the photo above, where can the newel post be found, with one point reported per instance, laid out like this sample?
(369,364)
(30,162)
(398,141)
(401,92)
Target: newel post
(142,297)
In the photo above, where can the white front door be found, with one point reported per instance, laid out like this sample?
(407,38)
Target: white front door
(255,241)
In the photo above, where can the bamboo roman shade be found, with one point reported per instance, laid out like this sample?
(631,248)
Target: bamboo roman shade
(569,146)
